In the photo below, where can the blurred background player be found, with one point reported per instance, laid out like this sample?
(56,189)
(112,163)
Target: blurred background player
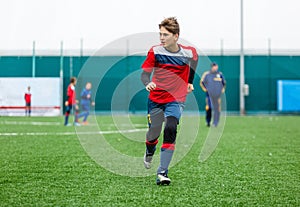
(173,67)
(27,98)
(213,83)
(85,102)
(71,101)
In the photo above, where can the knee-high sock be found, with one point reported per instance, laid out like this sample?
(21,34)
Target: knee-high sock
(167,149)
(166,155)
(67,118)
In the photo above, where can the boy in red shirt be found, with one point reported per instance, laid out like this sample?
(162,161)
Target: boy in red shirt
(27,98)
(172,66)
(71,100)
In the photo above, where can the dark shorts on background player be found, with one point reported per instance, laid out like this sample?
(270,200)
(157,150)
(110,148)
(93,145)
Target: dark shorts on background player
(69,108)
(28,104)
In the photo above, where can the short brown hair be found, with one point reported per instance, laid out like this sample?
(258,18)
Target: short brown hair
(72,80)
(171,25)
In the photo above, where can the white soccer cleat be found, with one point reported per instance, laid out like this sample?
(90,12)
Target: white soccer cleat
(147,161)
(163,179)
(76,124)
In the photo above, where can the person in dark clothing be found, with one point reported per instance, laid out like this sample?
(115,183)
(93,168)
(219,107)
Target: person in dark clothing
(213,83)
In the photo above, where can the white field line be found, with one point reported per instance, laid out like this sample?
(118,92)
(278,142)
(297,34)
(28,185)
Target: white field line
(59,123)
(29,123)
(70,133)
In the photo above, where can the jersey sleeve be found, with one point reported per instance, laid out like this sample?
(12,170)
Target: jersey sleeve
(193,65)
(149,63)
(194,62)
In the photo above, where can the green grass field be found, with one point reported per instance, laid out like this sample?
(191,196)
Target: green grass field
(256,163)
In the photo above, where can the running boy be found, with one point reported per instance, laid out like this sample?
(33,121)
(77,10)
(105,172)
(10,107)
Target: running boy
(172,66)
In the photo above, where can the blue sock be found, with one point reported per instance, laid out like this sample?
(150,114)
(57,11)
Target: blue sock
(165,159)
(66,119)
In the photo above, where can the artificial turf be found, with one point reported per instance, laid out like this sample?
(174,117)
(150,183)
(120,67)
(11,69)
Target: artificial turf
(256,163)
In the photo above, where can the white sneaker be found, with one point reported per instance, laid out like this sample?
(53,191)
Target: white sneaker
(163,179)
(147,161)
(76,124)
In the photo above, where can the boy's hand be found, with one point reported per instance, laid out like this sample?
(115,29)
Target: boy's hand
(151,86)
(190,88)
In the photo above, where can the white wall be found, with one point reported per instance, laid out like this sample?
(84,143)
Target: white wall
(45,99)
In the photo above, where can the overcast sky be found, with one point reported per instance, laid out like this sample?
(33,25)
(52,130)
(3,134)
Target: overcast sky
(203,22)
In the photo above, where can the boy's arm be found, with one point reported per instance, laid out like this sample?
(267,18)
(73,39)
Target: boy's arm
(147,67)
(145,78)
(193,66)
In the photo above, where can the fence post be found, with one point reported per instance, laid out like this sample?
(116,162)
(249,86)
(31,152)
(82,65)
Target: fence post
(269,75)
(33,59)
(61,76)
(242,69)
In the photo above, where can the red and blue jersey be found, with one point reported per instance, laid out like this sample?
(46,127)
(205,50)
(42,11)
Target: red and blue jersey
(71,94)
(171,72)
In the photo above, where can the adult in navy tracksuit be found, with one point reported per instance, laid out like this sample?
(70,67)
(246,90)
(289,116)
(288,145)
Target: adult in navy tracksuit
(85,102)
(213,83)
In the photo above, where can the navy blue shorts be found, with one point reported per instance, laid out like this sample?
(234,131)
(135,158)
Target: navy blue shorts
(69,108)
(168,109)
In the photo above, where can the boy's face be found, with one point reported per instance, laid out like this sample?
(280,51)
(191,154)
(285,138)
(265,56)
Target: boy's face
(167,39)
